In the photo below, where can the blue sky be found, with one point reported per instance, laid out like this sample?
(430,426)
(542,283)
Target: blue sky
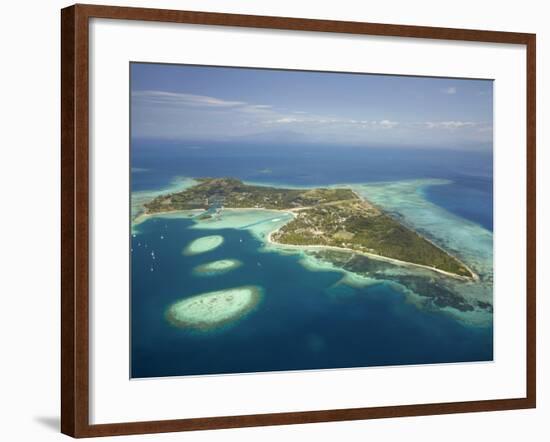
(201,104)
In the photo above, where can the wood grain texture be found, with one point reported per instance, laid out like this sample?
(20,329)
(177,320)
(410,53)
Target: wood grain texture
(531,107)
(75,219)
(68,343)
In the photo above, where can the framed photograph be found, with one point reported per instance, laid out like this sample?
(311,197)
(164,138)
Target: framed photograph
(273,220)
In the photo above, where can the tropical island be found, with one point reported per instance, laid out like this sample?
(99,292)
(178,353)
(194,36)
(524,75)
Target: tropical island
(326,218)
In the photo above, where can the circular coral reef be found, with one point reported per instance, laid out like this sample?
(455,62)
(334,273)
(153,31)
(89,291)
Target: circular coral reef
(203,245)
(212,310)
(217,267)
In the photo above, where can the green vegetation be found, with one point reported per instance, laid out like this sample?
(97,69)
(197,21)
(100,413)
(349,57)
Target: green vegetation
(324,217)
(231,192)
(363,228)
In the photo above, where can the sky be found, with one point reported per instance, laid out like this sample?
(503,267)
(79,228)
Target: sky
(201,104)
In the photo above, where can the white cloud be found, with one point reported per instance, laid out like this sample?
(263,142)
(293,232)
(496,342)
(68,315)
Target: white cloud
(184,116)
(449,90)
(449,124)
(387,124)
(178,103)
(175,102)
(181,99)
(285,120)
(340,122)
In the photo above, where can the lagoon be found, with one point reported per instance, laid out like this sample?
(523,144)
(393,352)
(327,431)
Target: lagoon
(313,315)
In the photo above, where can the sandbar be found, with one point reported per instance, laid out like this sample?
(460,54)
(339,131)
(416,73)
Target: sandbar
(212,310)
(203,245)
(217,267)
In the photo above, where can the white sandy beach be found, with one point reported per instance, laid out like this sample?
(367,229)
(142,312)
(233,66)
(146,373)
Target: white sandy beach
(369,255)
(246,216)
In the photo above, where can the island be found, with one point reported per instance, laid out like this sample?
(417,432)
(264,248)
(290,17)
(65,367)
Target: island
(325,218)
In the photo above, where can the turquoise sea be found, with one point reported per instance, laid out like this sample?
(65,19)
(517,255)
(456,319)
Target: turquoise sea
(312,315)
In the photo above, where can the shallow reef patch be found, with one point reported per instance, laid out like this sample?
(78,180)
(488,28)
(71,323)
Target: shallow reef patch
(213,310)
(217,267)
(203,245)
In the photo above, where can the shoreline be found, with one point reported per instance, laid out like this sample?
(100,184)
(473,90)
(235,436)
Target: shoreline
(369,255)
(473,275)
(142,217)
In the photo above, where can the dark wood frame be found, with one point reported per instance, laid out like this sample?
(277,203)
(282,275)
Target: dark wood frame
(74,220)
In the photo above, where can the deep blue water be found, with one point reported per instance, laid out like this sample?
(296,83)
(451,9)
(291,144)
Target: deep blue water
(302,322)
(470,195)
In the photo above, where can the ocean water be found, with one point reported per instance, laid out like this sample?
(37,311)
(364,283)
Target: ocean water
(311,315)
